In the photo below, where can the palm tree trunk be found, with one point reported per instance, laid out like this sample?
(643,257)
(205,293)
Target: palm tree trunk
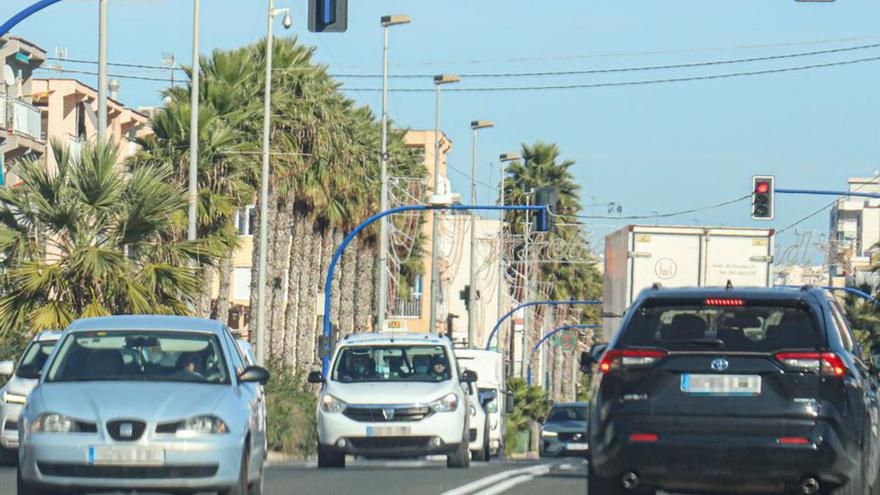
(270,227)
(278,258)
(204,306)
(346,289)
(326,248)
(364,295)
(225,280)
(310,266)
(294,288)
(335,292)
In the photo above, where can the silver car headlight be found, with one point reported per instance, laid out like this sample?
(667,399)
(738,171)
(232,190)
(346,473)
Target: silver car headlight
(332,405)
(549,434)
(202,425)
(10,398)
(447,403)
(53,423)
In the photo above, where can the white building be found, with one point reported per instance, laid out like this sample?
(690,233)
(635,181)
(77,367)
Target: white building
(854,233)
(797,275)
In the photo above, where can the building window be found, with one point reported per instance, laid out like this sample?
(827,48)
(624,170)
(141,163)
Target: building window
(247,220)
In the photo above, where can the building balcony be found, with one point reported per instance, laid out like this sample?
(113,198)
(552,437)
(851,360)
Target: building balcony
(24,129)
(407,308)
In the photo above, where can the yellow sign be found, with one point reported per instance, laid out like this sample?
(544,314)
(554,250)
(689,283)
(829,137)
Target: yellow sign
(643,238)
(760,241)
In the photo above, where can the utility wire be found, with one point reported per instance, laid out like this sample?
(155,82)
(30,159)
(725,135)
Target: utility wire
(116,64)
(630,83)
(118,76)
(657,215)
(709,63)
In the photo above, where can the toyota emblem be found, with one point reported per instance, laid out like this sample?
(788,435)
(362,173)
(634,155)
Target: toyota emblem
(720,364)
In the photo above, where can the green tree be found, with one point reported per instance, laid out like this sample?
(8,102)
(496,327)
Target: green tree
(530,407)
(92,238)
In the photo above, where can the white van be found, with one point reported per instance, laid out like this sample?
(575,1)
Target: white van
(492,387)
(393,396)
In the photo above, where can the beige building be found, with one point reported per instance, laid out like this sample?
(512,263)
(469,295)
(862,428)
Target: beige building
(24,132)
(69,115)
(855,232)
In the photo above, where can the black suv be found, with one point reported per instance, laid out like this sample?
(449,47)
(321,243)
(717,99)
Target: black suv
(750,390)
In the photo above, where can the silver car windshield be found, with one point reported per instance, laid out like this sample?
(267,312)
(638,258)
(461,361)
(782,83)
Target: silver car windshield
(392,363)
(33,359)
(139,356)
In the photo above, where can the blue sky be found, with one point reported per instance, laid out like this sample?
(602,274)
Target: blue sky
(650,148)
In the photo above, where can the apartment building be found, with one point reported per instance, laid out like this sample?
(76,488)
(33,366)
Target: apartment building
(24,132)
(854,233)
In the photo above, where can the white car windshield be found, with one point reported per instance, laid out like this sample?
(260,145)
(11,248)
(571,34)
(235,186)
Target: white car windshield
(139,356)
(392,363)
(34,358)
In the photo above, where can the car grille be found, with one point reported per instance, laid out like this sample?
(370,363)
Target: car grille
(473,437)
(126,472)
(389,442)
(376,414)
(118,430)
(572,437)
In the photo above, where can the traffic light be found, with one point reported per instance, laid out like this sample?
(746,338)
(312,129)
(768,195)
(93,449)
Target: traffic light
(762,197)
(547,196)
(328,16)
(465,296)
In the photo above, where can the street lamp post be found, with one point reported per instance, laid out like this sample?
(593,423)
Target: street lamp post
(264,183)
(472,292)
(439,80)
(102,70)
(382,304)
(504,158)
(194,127)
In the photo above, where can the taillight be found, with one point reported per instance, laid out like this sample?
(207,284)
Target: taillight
(616,359)
(827,363)
(717,301)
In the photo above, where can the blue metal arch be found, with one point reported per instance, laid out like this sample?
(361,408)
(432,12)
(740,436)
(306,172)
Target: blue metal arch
(24,14)
(550,334)
(507,315)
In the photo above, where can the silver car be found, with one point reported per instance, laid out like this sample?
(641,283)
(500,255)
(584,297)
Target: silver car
(158,403)
(565,431)
(13,395)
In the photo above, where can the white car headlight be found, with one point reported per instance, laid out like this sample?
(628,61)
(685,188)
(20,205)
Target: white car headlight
(447,403)
(202,425)
(10,398)
(53,423)
(332,405)
(549,434)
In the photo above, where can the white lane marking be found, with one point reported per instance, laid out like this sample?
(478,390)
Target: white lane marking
(506,485)
(566,467)
(483,483)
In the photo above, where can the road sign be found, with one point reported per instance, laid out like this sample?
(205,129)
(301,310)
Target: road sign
(567,340)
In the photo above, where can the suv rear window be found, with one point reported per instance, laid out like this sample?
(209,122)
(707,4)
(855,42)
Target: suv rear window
(752,328)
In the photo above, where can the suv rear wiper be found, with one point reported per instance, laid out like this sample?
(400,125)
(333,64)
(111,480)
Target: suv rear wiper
(696,343)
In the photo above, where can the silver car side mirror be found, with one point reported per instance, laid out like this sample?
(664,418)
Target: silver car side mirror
(7,368)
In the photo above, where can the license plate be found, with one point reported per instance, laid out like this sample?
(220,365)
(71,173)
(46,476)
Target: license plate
(388,431)
(126,456)
(735,385)
(576,446)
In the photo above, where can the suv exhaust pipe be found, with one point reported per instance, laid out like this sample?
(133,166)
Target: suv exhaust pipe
(631,480)
(809,486)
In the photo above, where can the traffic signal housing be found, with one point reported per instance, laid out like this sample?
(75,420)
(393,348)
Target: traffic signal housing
(328,16)
(548,197)
(763,192)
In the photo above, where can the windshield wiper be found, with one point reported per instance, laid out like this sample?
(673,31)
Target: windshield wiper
(697,343)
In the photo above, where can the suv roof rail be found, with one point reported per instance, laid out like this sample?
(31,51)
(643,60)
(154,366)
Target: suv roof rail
(729,285)
(807,287)
(656,285)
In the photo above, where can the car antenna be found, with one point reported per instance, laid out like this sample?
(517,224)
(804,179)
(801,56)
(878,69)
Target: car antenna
(729,285)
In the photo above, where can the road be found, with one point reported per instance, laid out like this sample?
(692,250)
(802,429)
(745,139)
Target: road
(564,476)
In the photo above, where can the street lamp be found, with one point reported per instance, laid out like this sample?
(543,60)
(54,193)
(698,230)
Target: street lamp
(472,293)
(439,81)
(102,70)
(503,158)
(264,183)
(194,128)
(382,305)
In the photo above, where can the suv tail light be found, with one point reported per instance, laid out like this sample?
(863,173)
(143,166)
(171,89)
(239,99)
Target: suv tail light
(827,363)
(616,359)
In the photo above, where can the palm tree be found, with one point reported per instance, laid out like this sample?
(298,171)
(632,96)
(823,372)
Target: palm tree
(91,238)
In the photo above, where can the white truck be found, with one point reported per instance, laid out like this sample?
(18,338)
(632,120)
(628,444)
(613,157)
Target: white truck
(639,256)
(489,367)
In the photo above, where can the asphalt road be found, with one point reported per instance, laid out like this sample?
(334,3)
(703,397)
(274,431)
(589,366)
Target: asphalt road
(558,477)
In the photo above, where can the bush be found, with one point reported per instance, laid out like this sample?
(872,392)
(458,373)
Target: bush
(290,410)
(530,404)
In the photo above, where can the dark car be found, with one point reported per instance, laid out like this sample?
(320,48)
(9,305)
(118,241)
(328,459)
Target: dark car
(749,390)
(564,433)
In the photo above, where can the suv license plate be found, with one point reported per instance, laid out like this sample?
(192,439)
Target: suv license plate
(388,431)
(126,456)
(736,385)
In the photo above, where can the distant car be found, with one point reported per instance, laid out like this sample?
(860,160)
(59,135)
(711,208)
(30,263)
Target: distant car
(23,379)
(479,424)
(393,396)
(153,403)
(564,432)
(752,390)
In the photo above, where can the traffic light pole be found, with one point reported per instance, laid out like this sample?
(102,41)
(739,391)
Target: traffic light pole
(590,302)
(820,192)
(548,336)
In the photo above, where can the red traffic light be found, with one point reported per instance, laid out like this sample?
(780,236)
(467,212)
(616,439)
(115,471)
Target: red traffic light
(762,187)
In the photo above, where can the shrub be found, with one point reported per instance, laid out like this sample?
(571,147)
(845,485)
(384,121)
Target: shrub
(530,404)
(290,410)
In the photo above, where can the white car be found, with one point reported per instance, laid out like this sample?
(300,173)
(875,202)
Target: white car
(479,430)
(392,396)
(23,379)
